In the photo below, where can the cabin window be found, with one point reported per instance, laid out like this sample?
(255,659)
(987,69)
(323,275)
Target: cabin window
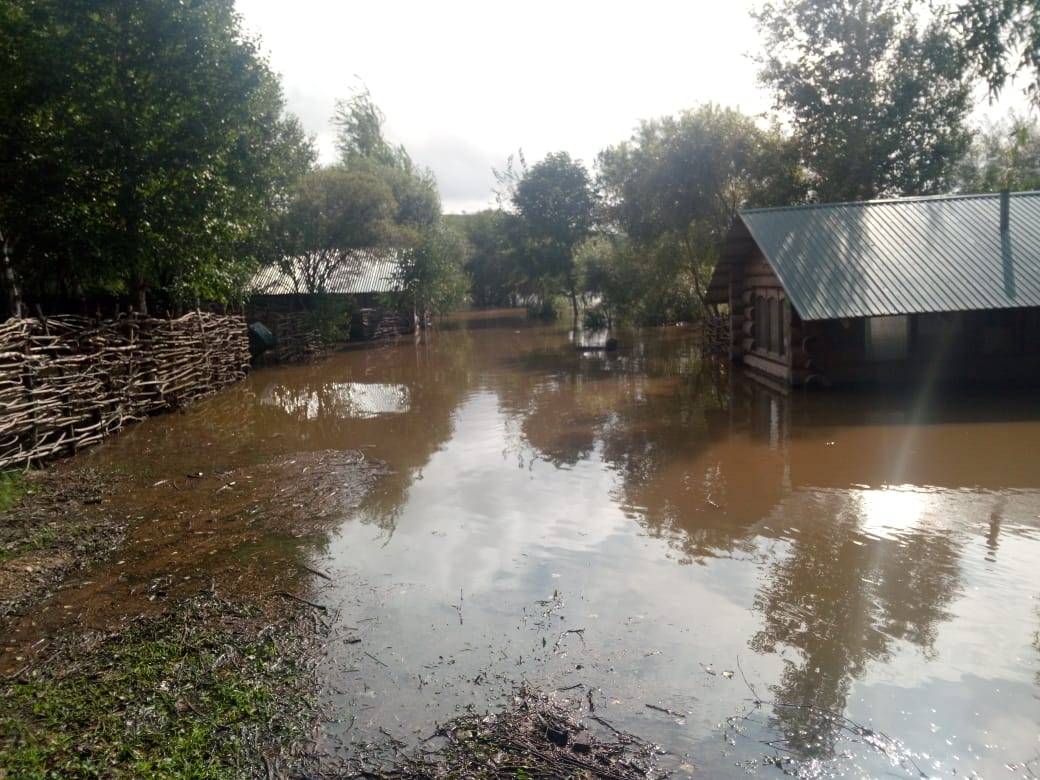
(786,313)
(888,337)
(761,322)
(774,326)
(770,325)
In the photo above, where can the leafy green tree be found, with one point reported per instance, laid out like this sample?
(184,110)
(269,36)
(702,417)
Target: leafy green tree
(359,136)
(1004,155)
(877,94)
(434,278)
(145,148)
(554,199)
(434,255)
(363,147)
(492,236)
(993,34)
(331,211)
(673,189)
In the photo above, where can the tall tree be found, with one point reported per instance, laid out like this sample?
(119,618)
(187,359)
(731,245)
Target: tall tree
(435,279)
(432,267)
(145,146)
(331,211)
(1003,155)
(363,146)
(877,93)
(554,199)
(1002,39)
(491,265)
(674,187)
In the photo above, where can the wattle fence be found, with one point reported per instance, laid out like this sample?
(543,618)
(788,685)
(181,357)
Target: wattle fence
(68,382)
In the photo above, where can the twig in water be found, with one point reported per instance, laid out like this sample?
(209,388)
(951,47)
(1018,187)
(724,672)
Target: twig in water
(286,594)
(315,571)
(375,659)
(458,606)
(758,699)
(579,631)
(602,722)
(666,711)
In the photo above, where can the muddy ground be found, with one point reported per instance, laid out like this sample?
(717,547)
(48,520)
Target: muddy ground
(151,628)
(89,550)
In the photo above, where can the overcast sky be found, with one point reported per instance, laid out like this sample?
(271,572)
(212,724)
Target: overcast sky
(466,83)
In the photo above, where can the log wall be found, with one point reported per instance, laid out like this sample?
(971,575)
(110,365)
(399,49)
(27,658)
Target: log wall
(67,382)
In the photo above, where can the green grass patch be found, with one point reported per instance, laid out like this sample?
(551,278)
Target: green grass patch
(12,488)
(212,690)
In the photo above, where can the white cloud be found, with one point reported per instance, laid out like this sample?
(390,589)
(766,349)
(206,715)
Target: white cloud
(466,83)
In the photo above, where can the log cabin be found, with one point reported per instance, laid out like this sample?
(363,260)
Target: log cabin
(909,290)
(367,282)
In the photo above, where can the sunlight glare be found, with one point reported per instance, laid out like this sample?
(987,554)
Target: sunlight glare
(890,511)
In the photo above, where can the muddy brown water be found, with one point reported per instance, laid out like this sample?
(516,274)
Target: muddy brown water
(839,584)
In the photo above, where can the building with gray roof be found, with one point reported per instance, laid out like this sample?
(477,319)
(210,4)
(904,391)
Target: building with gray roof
(911,289)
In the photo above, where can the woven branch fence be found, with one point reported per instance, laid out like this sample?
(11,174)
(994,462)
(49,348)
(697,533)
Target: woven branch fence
(68,382)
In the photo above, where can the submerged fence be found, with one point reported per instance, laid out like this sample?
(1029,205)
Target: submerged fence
(67,382)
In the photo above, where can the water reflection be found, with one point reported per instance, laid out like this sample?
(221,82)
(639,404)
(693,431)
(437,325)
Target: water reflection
(867,559)
(339,399)
(863,534)
(841,597)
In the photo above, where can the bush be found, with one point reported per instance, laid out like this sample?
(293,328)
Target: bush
(542,310)
(596,318)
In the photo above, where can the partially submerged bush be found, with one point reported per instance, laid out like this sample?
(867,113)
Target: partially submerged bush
(596,318)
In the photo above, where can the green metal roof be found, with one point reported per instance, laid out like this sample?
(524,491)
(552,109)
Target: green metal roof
(905,256)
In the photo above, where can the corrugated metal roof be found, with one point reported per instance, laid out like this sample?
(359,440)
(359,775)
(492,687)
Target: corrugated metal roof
(906,256)
(359,271)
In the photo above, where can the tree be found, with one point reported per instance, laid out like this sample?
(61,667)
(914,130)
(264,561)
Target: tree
(145,147)
(363,147)
(491,262)
(993,33)
(434,277)
(331,211)
(877,94)
(555,201)
(1004,155)
(432,267)
(673,188)
(359,136)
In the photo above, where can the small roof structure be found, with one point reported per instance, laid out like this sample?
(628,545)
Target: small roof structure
(360,271)
(906,256)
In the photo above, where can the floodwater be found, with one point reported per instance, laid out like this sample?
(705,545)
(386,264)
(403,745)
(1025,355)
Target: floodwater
(831,584)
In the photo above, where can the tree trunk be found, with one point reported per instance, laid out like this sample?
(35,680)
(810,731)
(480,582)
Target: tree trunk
(14,292)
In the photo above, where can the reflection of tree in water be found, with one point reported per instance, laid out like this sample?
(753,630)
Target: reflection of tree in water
(641,407)
(688,487)
(840,599)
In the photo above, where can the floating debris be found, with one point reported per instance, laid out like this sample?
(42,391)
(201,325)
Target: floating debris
(535,737)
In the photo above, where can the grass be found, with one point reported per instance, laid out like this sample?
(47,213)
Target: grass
(209,690)
(12,488)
